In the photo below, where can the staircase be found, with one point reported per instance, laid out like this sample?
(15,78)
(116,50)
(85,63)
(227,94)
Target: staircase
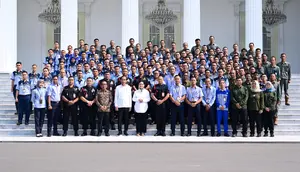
(289,116)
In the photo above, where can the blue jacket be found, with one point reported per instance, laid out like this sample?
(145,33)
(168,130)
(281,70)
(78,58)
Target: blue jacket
(222,98)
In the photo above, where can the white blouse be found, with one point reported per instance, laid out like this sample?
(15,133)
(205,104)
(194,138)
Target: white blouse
(141,107)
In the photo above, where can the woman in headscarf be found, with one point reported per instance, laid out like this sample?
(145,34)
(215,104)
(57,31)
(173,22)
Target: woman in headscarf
(270,100)
(255,108)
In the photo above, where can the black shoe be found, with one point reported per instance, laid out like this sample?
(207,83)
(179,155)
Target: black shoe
(226,135)
(84,133)
(48,134)
(213,135)
(204,134)
(258,135)
(56,134)
(99,134)
(92,133)
(233,135)
(157,134)
(271,135)
(219,134)
(245,135)
(189,135)
(19,123)
(125,133)
(113,127)
(182,134)
(119,133)
(76,133)
(65,134)
(16,113)
(26,123)
(266,135)
(172,134)
(251,135)
(198,134)
(107,134)
(163,134)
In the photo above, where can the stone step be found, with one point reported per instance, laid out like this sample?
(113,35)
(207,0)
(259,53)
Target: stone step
(289,117)
(150,132)
(282,121)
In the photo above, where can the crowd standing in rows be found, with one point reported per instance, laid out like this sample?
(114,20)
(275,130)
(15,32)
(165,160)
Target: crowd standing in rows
(205,85)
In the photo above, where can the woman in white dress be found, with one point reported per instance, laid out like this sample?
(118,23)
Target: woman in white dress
(141,97)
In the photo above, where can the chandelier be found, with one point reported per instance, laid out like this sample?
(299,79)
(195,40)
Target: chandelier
(272,15)
(161,16)
(51,14)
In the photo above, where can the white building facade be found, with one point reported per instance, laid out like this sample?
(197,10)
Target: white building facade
(24,38)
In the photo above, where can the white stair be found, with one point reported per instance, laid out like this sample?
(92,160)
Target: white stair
(289,116)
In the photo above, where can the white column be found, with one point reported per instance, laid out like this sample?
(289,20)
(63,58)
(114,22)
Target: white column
(191,21)
(254,27)
(87,11)
(69,23)
(236,5)
(130,22)
(8,35)
(280,31)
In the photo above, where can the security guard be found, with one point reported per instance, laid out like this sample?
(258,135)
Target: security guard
(87,96)
(239,98)
(160,94)
(193,99)
(16,76)
(23,93)
(285,76)
(177,97)
(70,97)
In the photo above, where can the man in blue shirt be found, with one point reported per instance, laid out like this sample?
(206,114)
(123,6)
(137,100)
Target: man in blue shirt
(15,77)
(177,96)
(208,100)
(222,102)
(33,79)
(23,97)
(193,99)
(79,81)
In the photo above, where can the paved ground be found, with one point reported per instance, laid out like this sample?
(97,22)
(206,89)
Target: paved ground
(148,157)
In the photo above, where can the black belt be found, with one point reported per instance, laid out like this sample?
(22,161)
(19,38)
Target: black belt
(193,101)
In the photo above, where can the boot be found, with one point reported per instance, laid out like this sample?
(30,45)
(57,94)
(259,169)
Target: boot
(287,101)
(276,121)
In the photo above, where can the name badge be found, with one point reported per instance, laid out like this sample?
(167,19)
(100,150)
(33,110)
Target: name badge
(178,99)
(163,94)
(74,95)
(224,99)
(41,101)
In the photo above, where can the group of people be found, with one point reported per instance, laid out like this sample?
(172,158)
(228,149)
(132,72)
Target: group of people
(204,85)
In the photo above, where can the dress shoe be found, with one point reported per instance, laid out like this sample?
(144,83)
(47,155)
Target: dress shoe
(271,135)
(163,134)
(113,127)
(19,123)
(92,133)
(107,134)
(251,135)
(138,134)
(84,134)
(16,113)
(142,134)
(76,133)
(26,123)
(219,134)
(233,135)
(258,135)
(119,133)
(226,135)
(198,134)
(266,135)
(99,134)
(189,135)
(41,135)
(182,134)
(37,135)
(48,134)
(204,134)
(245,135)
(157,134)
(65,134)
(172,134)
(213,135)
(125,133)
(56,134)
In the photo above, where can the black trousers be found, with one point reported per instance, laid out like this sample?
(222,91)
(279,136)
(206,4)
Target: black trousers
(255,118)
(112,115)
(209,117)
(241,114)
(141,122)
(123,114)
(39,117)
(269,121)
(177,111)
(103,118)
(70,111)
(52,116)
(151,110)
(160,112)
(88,117)
(191,112)
(16,103)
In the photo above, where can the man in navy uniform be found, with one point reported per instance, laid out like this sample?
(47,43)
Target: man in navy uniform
(16,76)
(23,97)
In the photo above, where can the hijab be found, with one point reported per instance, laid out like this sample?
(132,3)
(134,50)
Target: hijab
(272,89)
(257,89)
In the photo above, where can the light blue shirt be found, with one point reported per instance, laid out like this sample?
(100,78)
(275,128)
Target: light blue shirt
(16,76)
(96,81)
(38,97)
(177,92)
(170,81)
(80,83)
(209,95)
(54,91)
(115,77)
(24,88)
(63,81)
(194,93)
(87,74)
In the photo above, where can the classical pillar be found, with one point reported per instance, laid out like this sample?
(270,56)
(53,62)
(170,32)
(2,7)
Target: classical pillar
(69,23)
(191,21)
(130,22)
(87,11)
(254,25)
(8,35)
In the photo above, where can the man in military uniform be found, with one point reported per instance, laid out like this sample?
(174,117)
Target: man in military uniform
(285,76)
(23,93)
(160,94)
(278,95)
(87,96)
(16,76)
(70,97)
(273,68)
(239,100)
(248,81)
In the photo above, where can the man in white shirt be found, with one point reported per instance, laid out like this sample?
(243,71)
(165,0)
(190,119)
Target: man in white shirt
(123,103)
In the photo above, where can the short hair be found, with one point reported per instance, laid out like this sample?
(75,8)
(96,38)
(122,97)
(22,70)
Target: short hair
(89,78)
(96,39)
(18,63)
(197,40)
(25,72)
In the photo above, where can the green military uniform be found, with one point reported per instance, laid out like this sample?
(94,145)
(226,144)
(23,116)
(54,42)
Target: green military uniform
(266,64)
(231,83)
(273,69)
(255,101)
(255,109)
(239,95)
(270,99)
(285,77)
(247,85)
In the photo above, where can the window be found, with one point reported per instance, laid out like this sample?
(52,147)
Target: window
(57,33)
(156,34)
(267,42)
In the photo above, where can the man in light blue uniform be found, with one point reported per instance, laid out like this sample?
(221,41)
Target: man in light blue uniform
(38,99)
(53,99)
(169,79)
(79,81)
(87,71)
(177,97)
(193,99)
(33,79)
(96,78)
(208,100)
(15,77)
(23,97)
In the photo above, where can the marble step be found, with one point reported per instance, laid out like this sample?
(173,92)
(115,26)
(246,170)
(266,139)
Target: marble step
(283,121)
(150,132)
(289,117)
